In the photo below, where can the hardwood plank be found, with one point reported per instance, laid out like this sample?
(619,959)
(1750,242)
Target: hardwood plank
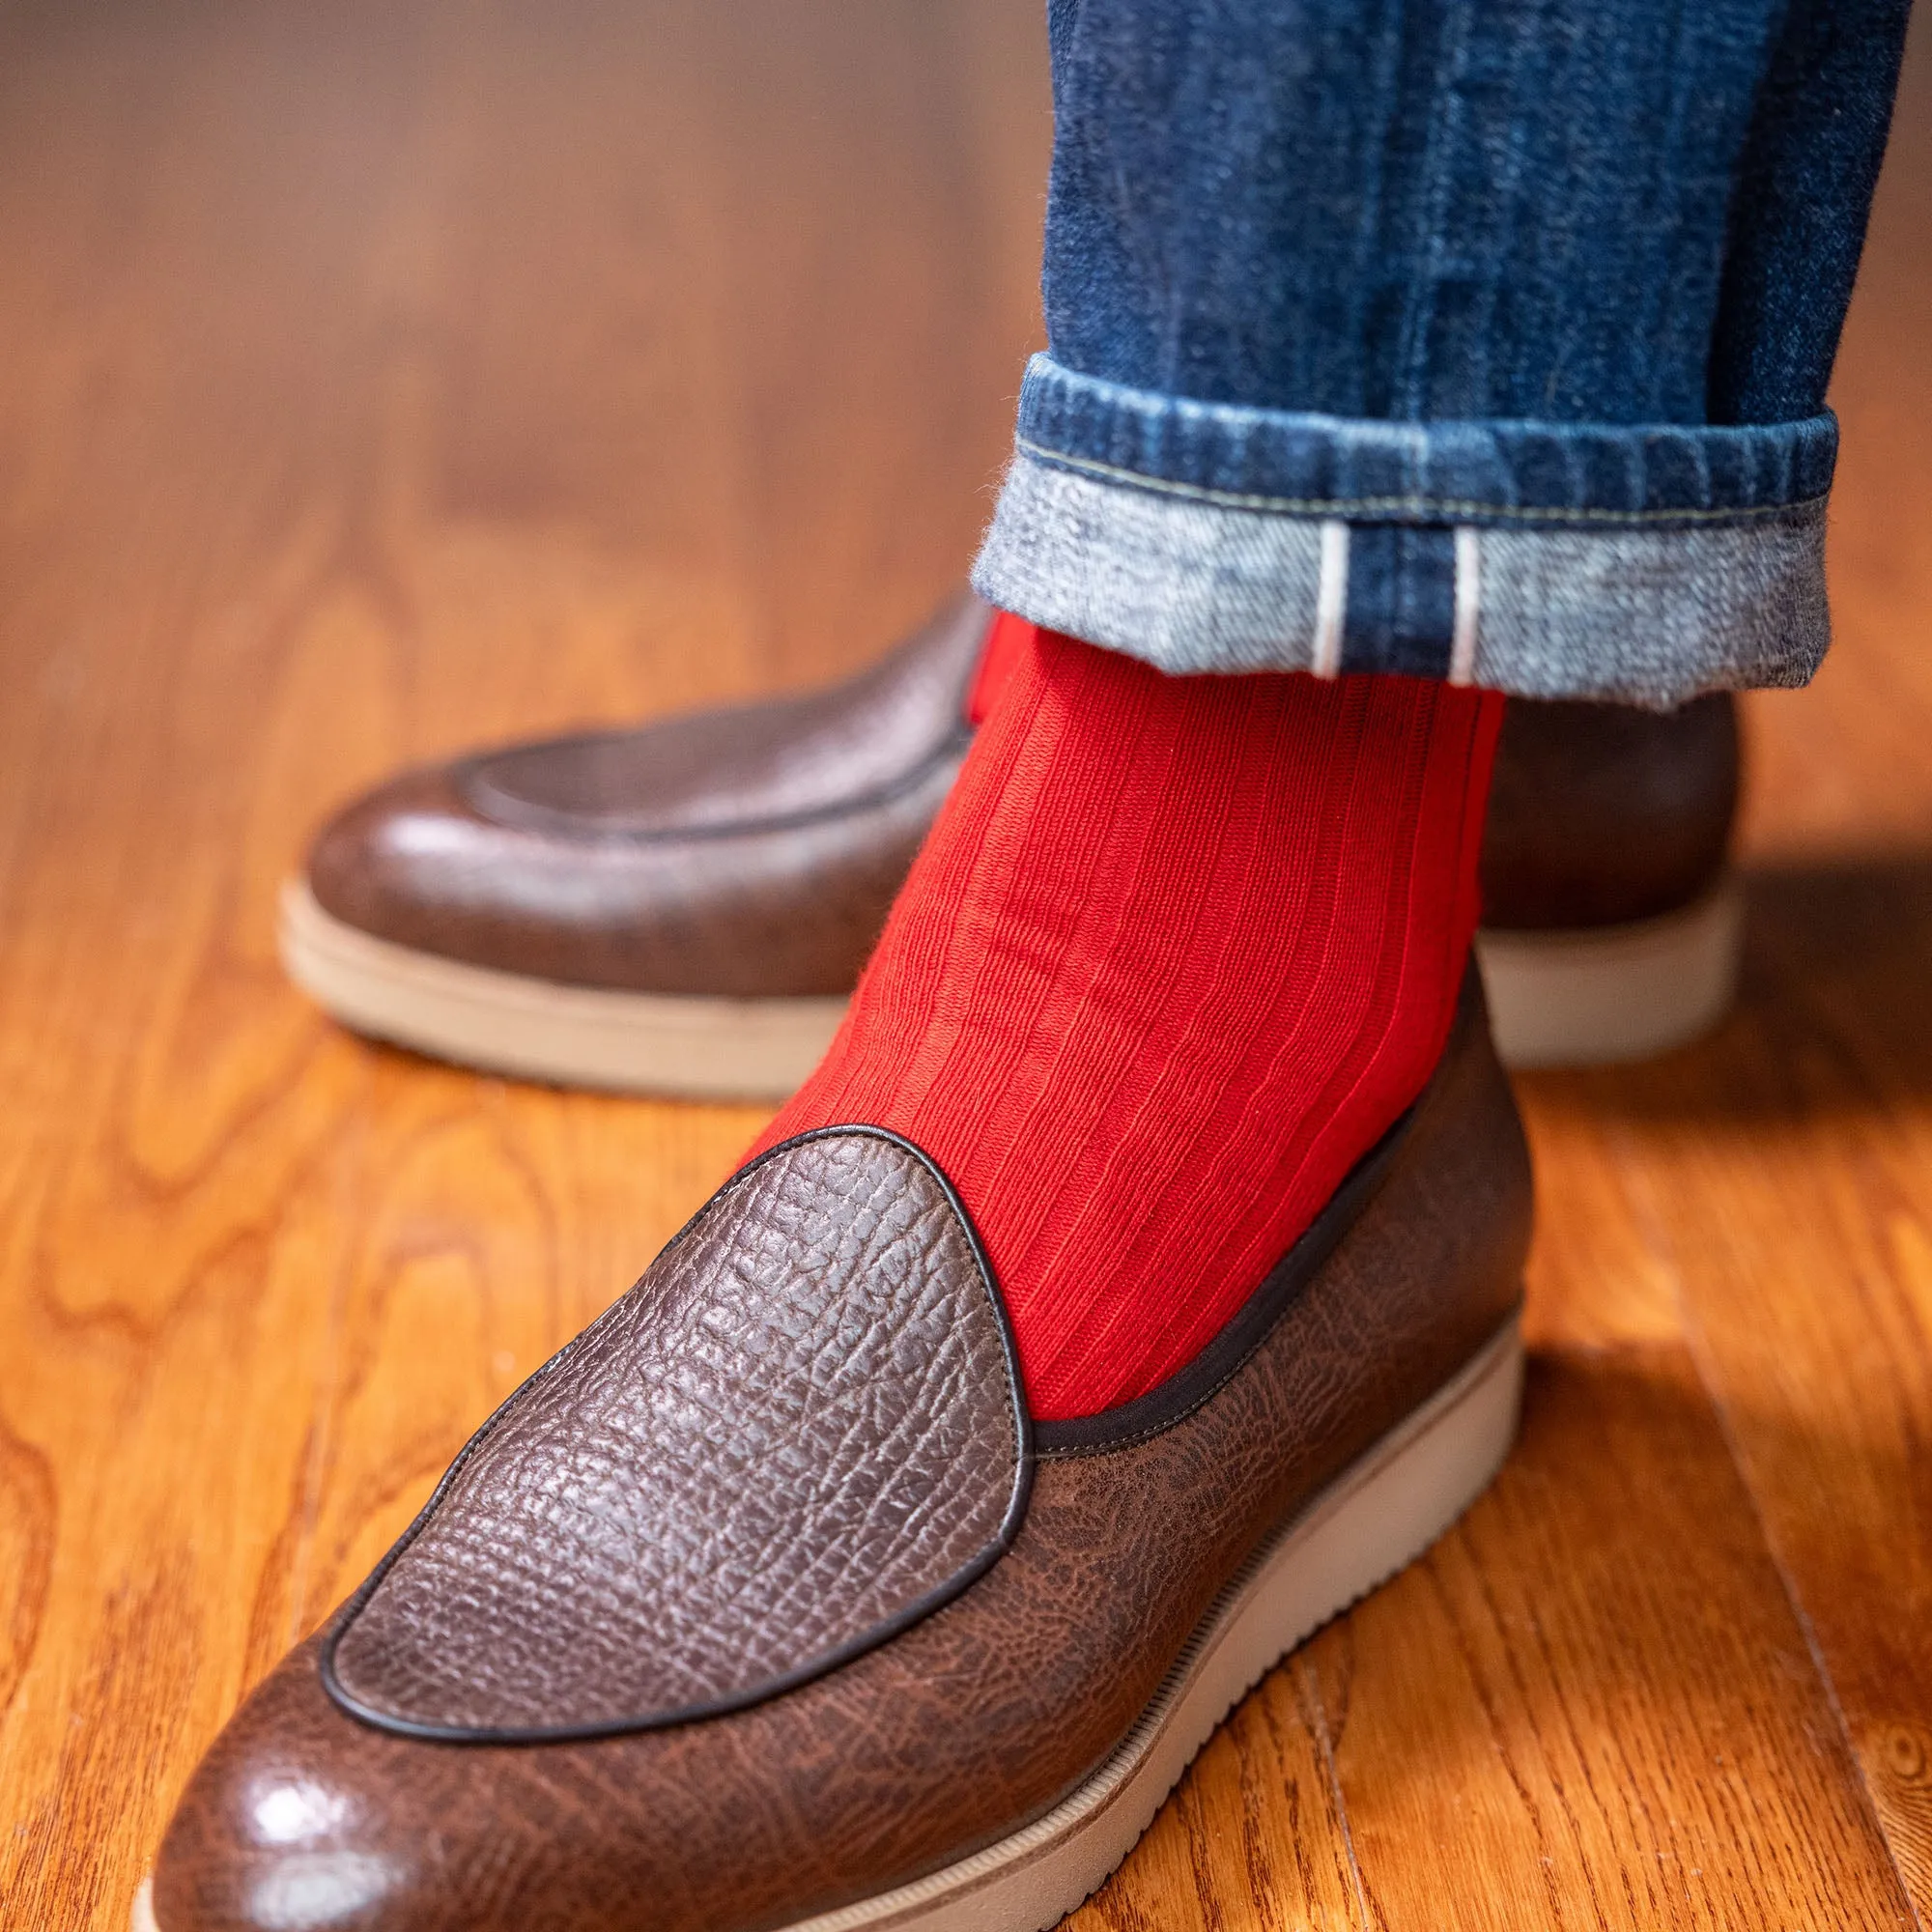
(1592,1703)
(340,429)
(1782,1176)
(1255,1837)
(435,372)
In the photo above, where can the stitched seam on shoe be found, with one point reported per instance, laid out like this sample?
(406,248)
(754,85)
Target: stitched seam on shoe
(549,823)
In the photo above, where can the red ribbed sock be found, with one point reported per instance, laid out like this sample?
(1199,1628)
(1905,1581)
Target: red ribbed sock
(1176,953)
(1008,639)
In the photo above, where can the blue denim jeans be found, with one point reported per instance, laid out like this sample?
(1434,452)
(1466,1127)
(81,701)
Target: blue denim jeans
(1482,339)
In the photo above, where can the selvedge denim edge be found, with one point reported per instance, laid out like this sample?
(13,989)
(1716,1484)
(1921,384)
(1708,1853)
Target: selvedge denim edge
(1637,564)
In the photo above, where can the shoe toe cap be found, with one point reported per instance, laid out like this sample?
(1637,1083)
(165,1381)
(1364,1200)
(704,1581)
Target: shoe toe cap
(405,860)
(414,864)
(788,910)
(297,1821)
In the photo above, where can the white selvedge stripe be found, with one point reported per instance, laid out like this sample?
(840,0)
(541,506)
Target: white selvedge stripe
(1469,606)
(1331,599)
(1648,614)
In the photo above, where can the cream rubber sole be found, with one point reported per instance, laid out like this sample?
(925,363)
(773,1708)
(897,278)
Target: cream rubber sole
(1598,996)
(698,1048)
(1557,999)
(1379,1515)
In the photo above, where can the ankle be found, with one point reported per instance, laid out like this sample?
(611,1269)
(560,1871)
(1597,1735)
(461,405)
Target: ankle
(1176,953)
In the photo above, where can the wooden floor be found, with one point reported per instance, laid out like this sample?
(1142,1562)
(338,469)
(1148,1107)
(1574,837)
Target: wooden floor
(378,377)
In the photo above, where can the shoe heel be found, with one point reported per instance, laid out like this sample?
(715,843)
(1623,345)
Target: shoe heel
(1590,998)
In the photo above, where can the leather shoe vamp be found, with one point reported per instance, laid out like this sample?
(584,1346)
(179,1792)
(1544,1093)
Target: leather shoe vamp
(802,1427)
(743,854)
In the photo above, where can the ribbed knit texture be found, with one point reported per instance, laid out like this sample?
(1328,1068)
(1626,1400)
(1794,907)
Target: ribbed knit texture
(1176,953)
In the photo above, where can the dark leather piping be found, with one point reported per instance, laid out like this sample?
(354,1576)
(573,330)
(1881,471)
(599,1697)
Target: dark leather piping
(914,1612)
(1220,1361)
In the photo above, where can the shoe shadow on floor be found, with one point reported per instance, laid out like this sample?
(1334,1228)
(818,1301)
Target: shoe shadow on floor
(1832,1015)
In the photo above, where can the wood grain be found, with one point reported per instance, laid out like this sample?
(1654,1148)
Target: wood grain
(380,379)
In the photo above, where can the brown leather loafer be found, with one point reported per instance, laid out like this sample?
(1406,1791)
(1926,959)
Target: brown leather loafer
(765,1603)
(1610,925)
(683,908)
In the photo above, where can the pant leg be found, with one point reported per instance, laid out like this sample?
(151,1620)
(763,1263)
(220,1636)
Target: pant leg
(1482,339)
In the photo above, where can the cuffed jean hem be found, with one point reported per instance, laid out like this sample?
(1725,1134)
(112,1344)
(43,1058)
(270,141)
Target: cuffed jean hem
(1636,564)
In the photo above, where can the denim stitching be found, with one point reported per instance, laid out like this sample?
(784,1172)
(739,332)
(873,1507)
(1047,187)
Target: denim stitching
(1366,506)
